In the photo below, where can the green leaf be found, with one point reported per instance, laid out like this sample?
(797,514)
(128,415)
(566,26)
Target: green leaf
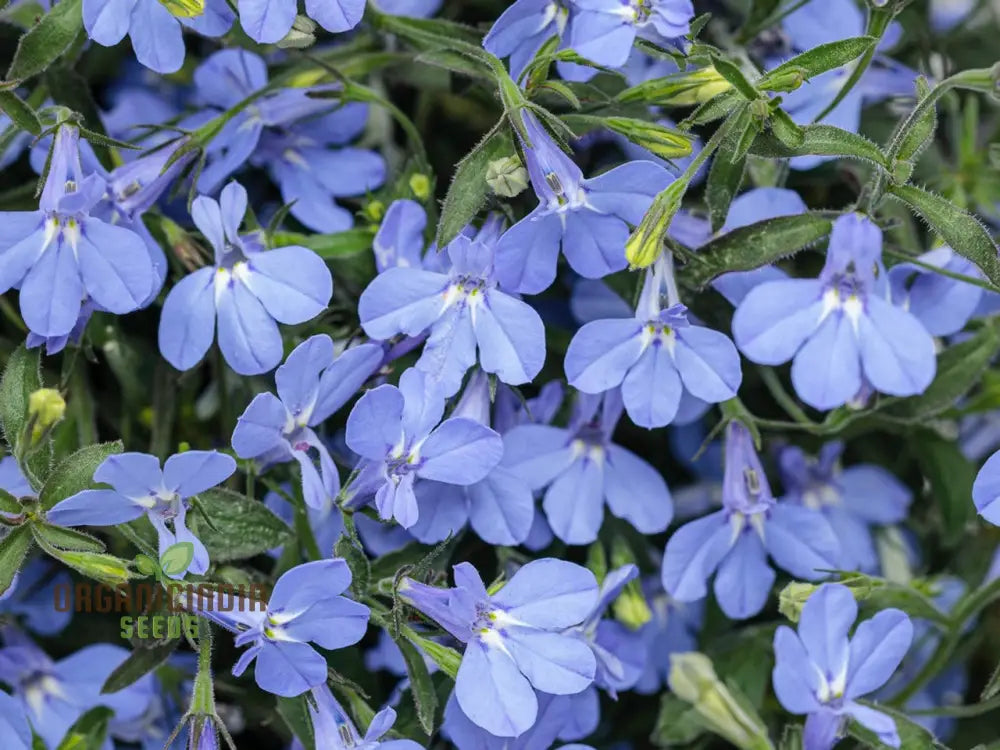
(356,560)
(753,246)
(881,593)
(75,473)
(89,731)
(912,736)
(727,169)
(447,659)
(242,527)
(960,230)
(176,558)
(295,713)
(785,129)
(734,75)
(915,138)
(20,378)
(63,538)
(13,547)
(47,40)
(9,503)
(950,475)
(424,695)
(20,113)
(348,242)
(791,738)
(146,565)
(820,59)
(822,140)
(140,662)
(715,108)
(677,723)
(468,190)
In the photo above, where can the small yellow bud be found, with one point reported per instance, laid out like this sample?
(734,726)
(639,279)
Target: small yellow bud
(680,89)
(184,8)
(663,141)
(645,244)
(301,35)
(793,597)
(630,607)
(786,80)
(507,176)
(420,184)
(375,210)
(107,569)
(46,407)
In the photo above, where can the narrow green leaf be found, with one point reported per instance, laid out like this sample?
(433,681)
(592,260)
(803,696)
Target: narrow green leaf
(785,129)
(753,246)
(791,738)
(9,503)
(957,228)
(447,659)
(468,190)
(714,109)
(820,59)
(915,138)
(950,475)
(295,713)
(677,723)
(140,662)
(822,140)
(732,73)
(992,687)
(88,732)
(75,473)
(13,547)
(20,378)
(242,527)
(727,169)
(63,538)
(348,242)
(424,695)
(356,560)
(47,40)
(20,113)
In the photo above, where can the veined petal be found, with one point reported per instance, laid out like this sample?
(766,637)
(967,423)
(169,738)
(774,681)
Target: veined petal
(401,300)
(601,353)
(187,321)
(293,283)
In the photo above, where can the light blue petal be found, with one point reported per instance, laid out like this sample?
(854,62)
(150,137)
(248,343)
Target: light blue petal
(826,372)
(636,492)
(192,472)
(94,508)
(708,364)
(187,321)
(553,663)
(574,502)
(692,554)
(776,318)
(266,21)
(511,338)
(51,294)
(601,353)
(801,541)
(401,300)
(156,37)
(501,508)
(248,336)
(594,244)
(826,619)
(652,389)
(896,351)
(375,423)
(336,15)
(288,668)
(744,579)
(794,676)
(107,21)
(259,428)
(526,254)
(877,648)
(549,594)
(460,451)
(293,283)
(492,693)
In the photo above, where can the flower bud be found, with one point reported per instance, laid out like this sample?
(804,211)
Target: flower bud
(681,89)
(374,210)
(662,141)
(786,80)
(301,35)
(693,679)
(46,407)
(630,607)
(645,244)
(507,176)
(793,597)
(107,569)
(184,8)
(420,184)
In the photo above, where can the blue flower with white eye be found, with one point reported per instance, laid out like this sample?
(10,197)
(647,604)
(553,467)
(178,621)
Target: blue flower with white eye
(333,728)
(820,672)
(515,639)
(247,292)
(841,332)
(736,541)
(268,21)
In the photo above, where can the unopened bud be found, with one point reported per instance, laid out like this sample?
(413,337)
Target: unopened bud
(645,244)
(46,408)
(107,569)
(630,607)
(375,210)
(680,89)
(662,141)
(793,598)
(507,176)
(301,35)
(420,184)
(184,8)
(693,679)
(786,80)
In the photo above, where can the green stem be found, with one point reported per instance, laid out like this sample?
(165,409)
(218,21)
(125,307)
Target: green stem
(785,401)
(878,22)
(203,695)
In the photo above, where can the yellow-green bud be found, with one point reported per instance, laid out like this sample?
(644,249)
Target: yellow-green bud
(301,35)
(645,244)
(507,176)
(46,407)
(692,678)
(662,141)
(107,569)
(420,184)
(375,210)
(630,607)
(786,80)
(184,8)
(793,597)
(681,89)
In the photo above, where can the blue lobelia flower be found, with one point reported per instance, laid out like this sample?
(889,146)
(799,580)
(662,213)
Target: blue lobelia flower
(583,470)
(333,728)
(54,694)
(295,136)
(604,31)
(409,8)
(140,488)
(399,240)
(464,310)
(397,433)
(312,385)
(737,540)
(654,356)
(821,672)
(268,21)
(305,607)
(325,522)
(15,732)
(62,254)
(155,30)
(840,330)
(32,594)
(500,507)
(12,479)
(523,28)
(248,291)
(853,499)
(514,638)
(823,21)
(554,714)
(986,490)
(942,304)
(588,218)
(673,628)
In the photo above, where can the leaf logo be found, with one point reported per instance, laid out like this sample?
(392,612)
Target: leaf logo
(173,563)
